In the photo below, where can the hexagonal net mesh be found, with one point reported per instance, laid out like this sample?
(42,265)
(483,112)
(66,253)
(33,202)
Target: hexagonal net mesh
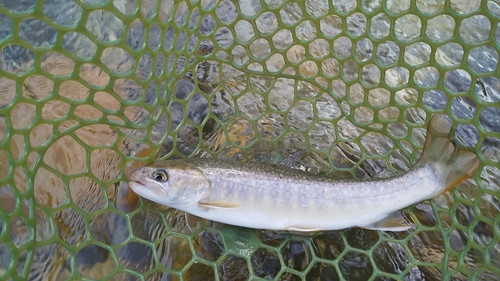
(87,86)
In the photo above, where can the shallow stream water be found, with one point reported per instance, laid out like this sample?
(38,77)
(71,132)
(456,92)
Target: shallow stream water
(66,210)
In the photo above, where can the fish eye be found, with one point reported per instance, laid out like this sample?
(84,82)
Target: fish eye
(160,176)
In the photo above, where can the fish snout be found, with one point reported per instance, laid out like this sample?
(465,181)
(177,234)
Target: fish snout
(139,175)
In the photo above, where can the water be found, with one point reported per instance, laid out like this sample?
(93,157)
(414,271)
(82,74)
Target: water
(84,226)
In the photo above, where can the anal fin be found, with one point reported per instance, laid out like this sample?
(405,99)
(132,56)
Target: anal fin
(392,222)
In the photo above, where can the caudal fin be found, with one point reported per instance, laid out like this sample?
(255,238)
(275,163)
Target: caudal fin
(455,164)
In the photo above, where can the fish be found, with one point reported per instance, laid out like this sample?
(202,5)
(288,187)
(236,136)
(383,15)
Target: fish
(261,196)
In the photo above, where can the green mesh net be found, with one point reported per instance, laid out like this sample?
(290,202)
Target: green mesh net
(90,87)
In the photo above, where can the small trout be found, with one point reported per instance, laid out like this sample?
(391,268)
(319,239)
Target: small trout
(268,197)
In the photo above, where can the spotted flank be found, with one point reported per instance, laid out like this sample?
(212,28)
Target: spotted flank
(273,197)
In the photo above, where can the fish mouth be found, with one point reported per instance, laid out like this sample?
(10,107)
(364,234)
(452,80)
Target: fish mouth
(143,189)
(137,185)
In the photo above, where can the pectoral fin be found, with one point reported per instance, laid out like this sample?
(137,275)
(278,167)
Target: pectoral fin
(393,222)
(218,205)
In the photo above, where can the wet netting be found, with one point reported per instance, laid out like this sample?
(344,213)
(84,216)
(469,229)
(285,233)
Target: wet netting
(90,89)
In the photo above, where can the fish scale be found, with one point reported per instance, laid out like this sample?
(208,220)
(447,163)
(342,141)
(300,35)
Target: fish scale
(270,197)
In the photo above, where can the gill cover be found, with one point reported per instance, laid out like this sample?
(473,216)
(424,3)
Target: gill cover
(173,182)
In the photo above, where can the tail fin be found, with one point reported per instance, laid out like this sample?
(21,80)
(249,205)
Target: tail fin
(454,164)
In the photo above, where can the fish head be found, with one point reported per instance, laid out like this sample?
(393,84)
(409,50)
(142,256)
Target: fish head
(173,183)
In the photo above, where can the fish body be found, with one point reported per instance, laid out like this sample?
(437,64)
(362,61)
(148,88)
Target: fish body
(269,197)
